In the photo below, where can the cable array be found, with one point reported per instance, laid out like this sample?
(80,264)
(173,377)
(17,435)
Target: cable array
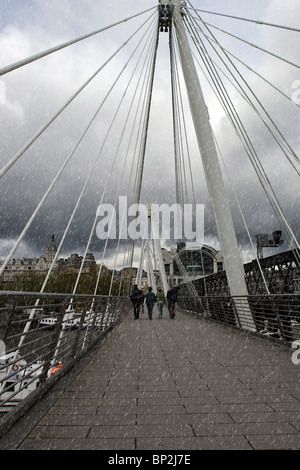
(219,66)
(203,39)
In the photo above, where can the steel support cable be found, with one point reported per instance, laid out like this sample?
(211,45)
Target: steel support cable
(31,316)
(52,119)
(30,221)
(119,187)
(35,57)
(128,189)
(281,216)
(242,213)
(177,147)
(235,195)
(142,132)
(259,164)
(284,143)
(218,83)
(178,134)
(184,124)
(174,252)
(175,132)
(268,128)
(122,220)
(148,109)
(75,209)
(263,178)
(89,175)
(142,105)
(240,209)
(254,45)
(258,74)
(290,28)
(263,78)
(178,163)
(221,91)
(182,171)
(138,152)
(280,139)
(104,190)
(186,141)
(95,218)
(283,146)
(140,140)
(268,191)
(145,130)
(247,86)
(213,173)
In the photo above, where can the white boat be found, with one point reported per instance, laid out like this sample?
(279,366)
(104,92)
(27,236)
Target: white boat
(48,322)
(21,379)
(72,323)
(70,320)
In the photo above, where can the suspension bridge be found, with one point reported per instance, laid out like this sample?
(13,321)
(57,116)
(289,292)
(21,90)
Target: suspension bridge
(168,148)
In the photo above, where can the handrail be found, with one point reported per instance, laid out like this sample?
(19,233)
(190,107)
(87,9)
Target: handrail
(37,348)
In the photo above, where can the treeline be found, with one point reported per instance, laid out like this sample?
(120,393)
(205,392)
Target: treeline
(64,281)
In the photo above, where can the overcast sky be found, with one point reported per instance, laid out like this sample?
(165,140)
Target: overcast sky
(31,95)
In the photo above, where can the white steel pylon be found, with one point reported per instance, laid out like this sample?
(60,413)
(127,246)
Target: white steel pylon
(227,236)
(140,269)
(150,272)
(154,223)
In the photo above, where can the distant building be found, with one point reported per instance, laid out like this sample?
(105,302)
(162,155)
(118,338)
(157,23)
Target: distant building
(131,272)
(191,261)
(194,261)
(74,262)
(22,266)
(42,264)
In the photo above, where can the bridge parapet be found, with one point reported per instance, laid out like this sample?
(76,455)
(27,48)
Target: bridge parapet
(281,275)
(275,317)
(39,342)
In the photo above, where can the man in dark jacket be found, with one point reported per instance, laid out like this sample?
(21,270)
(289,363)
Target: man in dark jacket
(135,298)
(171,298)
(150,300)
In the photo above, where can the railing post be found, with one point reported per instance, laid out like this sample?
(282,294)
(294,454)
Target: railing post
(53,345)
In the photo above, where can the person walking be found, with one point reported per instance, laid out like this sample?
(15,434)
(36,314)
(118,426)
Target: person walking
(150,300)
(135,298)
(171,298)
(142,301)
(161,300)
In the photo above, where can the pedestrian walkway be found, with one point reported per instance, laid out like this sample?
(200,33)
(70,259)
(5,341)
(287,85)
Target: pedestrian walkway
(183,384)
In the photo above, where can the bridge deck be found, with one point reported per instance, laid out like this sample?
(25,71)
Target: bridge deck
(179,384)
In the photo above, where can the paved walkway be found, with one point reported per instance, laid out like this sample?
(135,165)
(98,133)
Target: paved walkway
(182,384)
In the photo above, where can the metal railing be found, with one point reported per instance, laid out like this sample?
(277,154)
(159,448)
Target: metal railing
(43,335)
(271,316)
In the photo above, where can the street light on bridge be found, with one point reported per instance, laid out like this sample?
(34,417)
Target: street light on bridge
(262,240)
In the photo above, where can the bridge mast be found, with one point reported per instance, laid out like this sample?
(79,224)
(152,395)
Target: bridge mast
(227,236)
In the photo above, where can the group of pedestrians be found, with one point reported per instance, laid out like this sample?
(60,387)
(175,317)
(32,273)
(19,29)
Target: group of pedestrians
(138,299)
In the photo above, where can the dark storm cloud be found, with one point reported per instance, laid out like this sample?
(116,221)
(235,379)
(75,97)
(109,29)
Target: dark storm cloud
(31,95)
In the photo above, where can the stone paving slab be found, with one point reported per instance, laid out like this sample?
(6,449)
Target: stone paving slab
(183,384)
